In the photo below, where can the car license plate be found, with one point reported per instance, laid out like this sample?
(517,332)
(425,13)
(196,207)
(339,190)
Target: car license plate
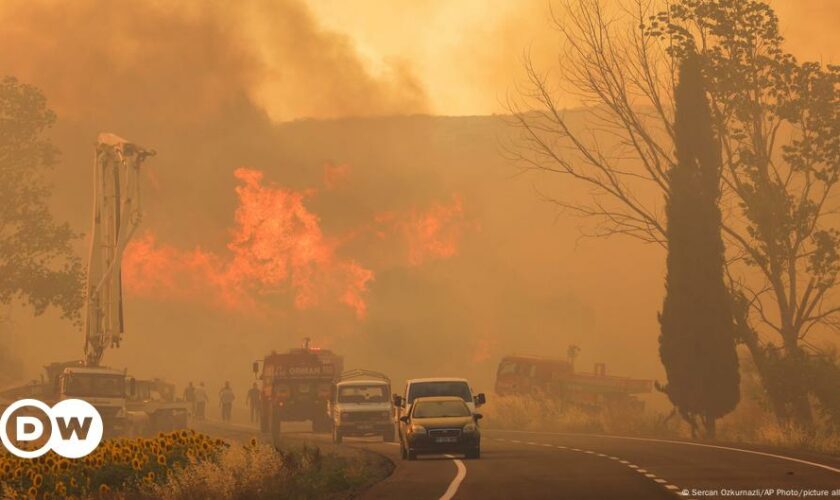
(451,439)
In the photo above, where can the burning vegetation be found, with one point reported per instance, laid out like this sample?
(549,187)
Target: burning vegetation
(277,246)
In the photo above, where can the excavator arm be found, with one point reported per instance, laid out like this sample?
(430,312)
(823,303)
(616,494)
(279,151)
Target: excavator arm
(116,215)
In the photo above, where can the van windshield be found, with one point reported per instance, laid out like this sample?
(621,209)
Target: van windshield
(363,394)
(441,409)
(429,389)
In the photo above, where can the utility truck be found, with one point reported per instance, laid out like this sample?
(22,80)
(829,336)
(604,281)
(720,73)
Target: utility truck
(154,408)
(361,406)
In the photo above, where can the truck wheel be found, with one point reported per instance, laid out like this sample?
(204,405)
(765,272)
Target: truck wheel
(265,417)
(388,435)
(275,426)
(337,437)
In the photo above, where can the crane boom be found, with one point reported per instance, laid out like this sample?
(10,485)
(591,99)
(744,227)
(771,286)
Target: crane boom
(116,215)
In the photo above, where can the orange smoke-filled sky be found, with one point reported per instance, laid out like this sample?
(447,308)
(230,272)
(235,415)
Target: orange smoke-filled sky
(312,58)
(468,53)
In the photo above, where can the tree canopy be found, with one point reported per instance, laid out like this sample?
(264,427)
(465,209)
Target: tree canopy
(37,262)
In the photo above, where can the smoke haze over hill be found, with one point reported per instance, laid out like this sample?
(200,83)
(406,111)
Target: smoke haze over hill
(415,244)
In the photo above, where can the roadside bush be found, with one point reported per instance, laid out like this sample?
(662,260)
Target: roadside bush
(750,423)
(257,471)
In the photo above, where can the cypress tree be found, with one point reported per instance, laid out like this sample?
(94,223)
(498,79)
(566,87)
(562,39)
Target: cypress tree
(696,342)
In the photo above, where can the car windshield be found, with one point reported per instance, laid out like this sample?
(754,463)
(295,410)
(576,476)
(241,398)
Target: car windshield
(430,389)
(439,409)
(95,385)
(507,368)
(363,394)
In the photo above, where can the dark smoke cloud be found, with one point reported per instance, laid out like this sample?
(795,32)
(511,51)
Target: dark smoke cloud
(120,62)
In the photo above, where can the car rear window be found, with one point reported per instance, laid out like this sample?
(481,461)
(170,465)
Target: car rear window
(458,389)
(440,409)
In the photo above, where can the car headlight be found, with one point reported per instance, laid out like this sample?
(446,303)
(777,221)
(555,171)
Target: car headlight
(470,427)
(417,429)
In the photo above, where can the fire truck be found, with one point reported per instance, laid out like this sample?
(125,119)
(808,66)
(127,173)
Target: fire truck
(296,386)
(556,378)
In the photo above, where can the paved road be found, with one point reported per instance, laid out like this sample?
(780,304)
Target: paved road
(553,465)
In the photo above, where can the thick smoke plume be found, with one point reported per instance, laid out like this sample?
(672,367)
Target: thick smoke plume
(190,61)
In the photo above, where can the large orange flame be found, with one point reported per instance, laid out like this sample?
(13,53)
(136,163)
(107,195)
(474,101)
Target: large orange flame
(277,245)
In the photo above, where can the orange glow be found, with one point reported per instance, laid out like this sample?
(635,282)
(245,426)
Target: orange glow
(335,175)
(434,233)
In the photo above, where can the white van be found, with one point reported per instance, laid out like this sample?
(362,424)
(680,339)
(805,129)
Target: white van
(431,387)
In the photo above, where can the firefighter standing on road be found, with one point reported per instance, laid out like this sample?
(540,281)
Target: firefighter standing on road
(226,398)
(200,401)
(189,396)
(254,403)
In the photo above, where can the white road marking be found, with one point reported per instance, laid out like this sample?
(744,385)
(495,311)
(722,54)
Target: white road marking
(456,482)
(688,443)
(647,474)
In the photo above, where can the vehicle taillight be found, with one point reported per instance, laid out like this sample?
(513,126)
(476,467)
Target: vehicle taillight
(282,391)
(323,390)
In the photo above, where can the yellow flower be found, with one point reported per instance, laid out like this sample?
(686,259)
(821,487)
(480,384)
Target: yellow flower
(161,460)
(37,480)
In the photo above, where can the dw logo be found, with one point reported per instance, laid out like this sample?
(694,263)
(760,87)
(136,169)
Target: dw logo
(75,428)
